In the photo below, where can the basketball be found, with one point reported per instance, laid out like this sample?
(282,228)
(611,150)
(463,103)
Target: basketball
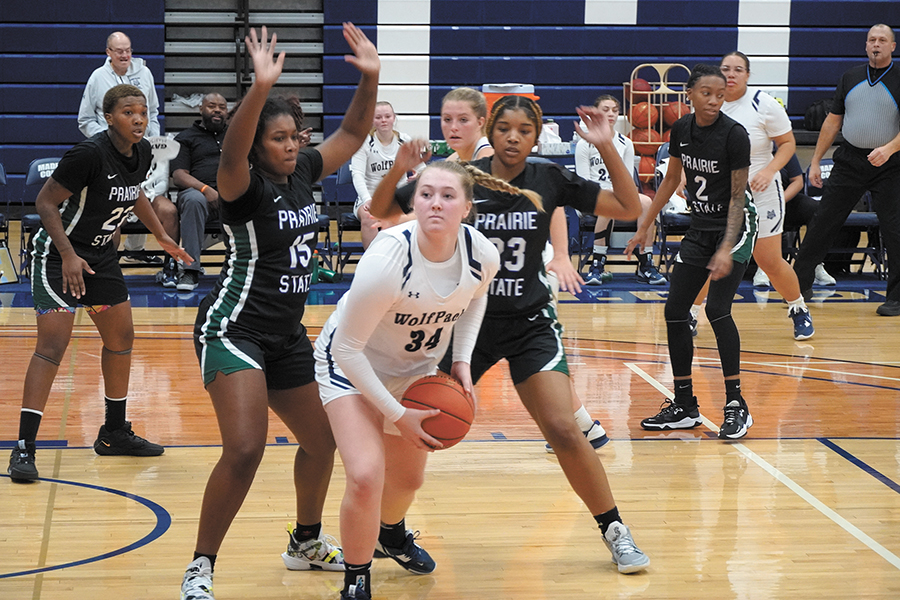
(447,395)
(647,170)
(674,111)
(646,141)
(667,135)
(639,90)
(643,115)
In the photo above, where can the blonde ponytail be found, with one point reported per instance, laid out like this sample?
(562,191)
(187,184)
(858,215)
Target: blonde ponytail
(498,185)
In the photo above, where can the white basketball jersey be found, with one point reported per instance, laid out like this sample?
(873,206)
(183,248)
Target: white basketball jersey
(763,118)
(414,334)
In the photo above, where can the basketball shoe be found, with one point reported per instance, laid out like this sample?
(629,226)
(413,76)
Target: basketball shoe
(123,442)
(410,556)
(319,554)
(803,325)
(761,279)
(737,421)
(673,416)
(197,583)
(598,274)
(625,553)
(648,273)
(355,593)
(21,462)
(596,435)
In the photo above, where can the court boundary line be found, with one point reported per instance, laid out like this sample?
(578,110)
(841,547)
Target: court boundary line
(825,510)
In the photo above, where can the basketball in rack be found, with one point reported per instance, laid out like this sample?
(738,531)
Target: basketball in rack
(653,111)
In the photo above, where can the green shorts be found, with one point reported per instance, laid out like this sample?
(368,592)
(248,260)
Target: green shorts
(286,359)
(105,287)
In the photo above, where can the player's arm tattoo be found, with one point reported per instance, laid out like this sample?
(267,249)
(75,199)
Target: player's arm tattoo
(736,206)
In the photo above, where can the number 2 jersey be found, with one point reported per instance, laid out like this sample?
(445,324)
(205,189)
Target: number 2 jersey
(709,155)
(520,232)
(271,232)
(105,185)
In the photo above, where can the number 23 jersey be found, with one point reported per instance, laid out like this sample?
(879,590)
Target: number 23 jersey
(105,185)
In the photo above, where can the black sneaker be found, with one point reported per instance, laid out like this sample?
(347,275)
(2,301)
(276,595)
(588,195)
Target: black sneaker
(188,281)
(693,326)
(673,416)
(355,593)
(21,463)
(123,442)
(138,257)
(737,421)
(410,556)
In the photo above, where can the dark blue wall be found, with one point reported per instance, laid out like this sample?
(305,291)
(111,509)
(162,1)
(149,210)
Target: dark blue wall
(48,50)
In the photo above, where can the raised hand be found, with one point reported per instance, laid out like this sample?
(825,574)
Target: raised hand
(599,130)
(365,56)
(265,66)
(411,154)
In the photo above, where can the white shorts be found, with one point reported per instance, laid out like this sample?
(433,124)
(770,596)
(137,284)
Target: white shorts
(770,208)
(333,384)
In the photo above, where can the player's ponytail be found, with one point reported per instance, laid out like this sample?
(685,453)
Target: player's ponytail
(498,185)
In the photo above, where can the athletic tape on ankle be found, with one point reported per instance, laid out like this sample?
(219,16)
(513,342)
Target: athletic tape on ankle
(118,352)
(47,358)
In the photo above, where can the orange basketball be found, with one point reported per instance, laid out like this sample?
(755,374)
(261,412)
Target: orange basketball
(647,170)
(646,141)
(674,111)
(639,89)
(643,115)
(447,395)
(667,135)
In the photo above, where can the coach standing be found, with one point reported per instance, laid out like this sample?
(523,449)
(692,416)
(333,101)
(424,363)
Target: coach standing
(865,110)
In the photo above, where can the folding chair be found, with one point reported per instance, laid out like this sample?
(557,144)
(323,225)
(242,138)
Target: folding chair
(669,224)
(339,196)
(39,171)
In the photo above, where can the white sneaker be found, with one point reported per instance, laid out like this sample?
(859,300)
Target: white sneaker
(625,554)
(321,554)
(596,435)
(197,582)
(760,279)
(822,276)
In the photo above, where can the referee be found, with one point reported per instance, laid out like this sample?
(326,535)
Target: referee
(865,110)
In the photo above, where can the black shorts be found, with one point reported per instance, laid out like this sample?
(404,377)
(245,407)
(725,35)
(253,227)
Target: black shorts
(530,344)
(698,247)
(105,287)
(286,359)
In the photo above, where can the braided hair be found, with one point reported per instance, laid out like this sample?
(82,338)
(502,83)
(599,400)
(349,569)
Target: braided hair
(469,176)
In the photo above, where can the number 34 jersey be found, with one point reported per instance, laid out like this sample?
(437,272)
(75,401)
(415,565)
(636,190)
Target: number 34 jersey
(396,285)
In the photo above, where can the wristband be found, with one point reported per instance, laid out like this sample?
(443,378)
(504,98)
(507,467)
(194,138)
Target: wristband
(203,189)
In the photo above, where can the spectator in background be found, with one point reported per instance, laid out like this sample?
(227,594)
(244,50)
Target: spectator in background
(120,67)
(799,210)
(589,165)
(370,163)
(865,110)
(194,173)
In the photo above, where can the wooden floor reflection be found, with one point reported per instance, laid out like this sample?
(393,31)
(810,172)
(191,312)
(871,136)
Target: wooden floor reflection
(808,505)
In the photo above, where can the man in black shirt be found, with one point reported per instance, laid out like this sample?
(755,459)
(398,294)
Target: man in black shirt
(194,172)
(865,110)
